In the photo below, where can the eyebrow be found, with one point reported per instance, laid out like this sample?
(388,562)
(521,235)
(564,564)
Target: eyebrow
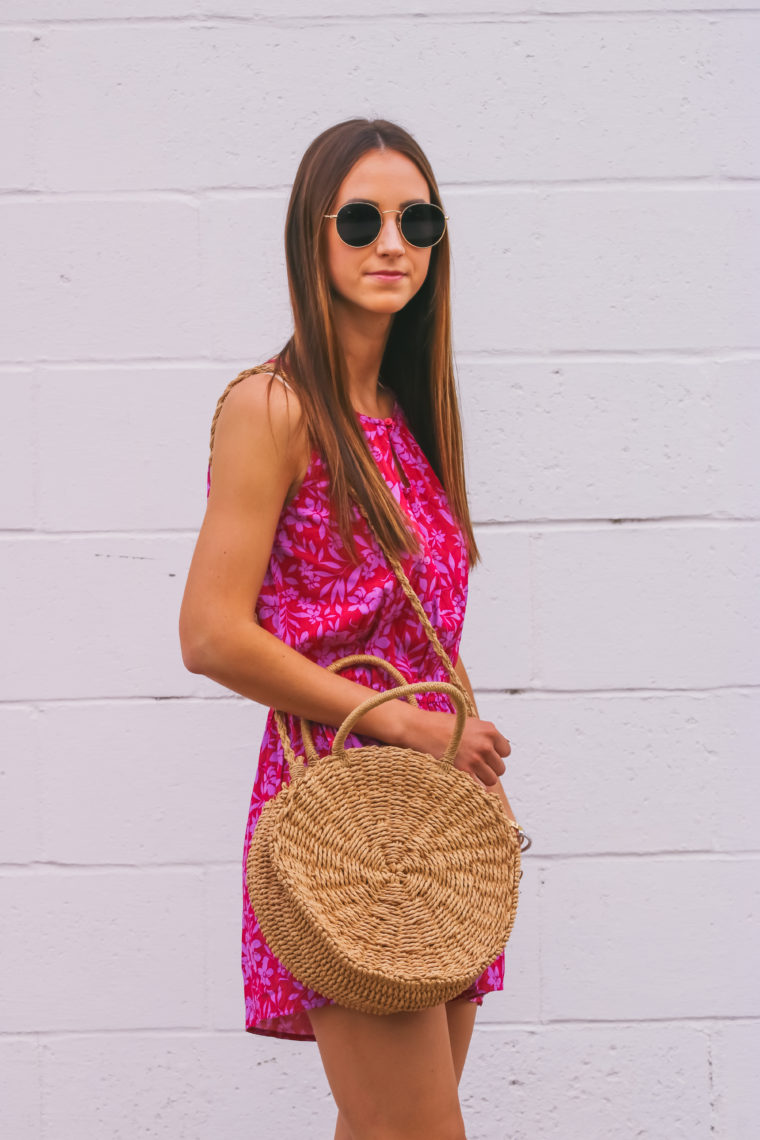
(402,205)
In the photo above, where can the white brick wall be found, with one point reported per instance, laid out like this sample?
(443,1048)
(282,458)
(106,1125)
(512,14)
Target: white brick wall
(599,161)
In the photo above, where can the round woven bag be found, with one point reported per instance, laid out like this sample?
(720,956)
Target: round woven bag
(382,877)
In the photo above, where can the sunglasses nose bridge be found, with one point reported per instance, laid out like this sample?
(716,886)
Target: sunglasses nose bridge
(396,223)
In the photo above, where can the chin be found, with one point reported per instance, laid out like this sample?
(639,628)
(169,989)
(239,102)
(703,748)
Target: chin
(388,304)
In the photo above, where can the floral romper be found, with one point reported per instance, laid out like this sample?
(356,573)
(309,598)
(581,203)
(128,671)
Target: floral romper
(321,604)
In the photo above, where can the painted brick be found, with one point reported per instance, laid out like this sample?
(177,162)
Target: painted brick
(20,1087)
(497,642)
(629,439)
(635,939)
(244,255)
(653,269)
(106,618)
(18,124)
(145,782)
(30,11)
(18,456)
(631,773)
(520,1000)
(223,916)
(594,1081)
(100,279)
(555,99)
(21,785)
(133,442)
(190,1085)
(103,950)
(735,1047)
(669,606)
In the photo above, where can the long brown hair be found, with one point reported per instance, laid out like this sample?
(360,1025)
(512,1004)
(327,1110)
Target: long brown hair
(417,363)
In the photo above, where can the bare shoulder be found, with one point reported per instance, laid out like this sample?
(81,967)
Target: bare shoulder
(256,448)
(260,422)
(261,402)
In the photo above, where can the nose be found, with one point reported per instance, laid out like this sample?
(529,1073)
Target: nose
(389,239)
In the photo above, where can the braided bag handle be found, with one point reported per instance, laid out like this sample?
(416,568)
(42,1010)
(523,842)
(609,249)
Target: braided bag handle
(404,582)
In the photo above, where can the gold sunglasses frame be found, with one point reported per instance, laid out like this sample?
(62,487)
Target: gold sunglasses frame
(401,213)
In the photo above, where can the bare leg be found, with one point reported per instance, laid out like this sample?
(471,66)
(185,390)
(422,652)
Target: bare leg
(392,1076)
(460,1019)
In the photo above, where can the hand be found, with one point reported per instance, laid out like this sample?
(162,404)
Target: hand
(480,750)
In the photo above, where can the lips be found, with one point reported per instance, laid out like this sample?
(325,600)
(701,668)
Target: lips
(390,273)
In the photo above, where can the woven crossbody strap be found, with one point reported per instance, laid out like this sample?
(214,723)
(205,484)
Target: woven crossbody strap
(425,622)
(396,566)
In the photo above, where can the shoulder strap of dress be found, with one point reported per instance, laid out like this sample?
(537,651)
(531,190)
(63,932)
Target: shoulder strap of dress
(268,367)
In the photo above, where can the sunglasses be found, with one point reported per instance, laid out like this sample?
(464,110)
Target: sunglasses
(422,224)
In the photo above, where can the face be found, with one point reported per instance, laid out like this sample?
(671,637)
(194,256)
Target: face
(389,180)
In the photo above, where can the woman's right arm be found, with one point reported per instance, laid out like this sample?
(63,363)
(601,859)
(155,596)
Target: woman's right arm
(260,452)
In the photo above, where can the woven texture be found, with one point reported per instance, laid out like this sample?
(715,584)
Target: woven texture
(382,877)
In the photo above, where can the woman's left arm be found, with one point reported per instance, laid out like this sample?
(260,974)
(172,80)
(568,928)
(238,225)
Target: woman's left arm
(497,788)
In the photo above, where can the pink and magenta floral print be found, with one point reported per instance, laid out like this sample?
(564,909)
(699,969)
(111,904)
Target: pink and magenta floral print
(315,599)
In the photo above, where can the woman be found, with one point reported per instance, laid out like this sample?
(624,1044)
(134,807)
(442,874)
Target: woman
(359,406)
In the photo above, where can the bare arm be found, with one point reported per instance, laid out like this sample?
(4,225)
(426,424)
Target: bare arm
(255,465)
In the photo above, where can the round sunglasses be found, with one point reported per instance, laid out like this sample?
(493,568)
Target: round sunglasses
(422,224)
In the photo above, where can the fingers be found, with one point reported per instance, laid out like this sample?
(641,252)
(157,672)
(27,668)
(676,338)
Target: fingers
(486,749)
(487,775)
(501,744)
(494,766)
(491,768)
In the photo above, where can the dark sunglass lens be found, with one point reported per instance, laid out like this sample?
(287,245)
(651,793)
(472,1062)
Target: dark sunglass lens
(423,224)
(358,223)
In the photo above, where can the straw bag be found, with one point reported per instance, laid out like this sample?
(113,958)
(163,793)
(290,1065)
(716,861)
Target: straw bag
(381,877)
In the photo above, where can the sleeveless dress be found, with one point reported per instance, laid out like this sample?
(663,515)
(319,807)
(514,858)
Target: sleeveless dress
(316,600)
